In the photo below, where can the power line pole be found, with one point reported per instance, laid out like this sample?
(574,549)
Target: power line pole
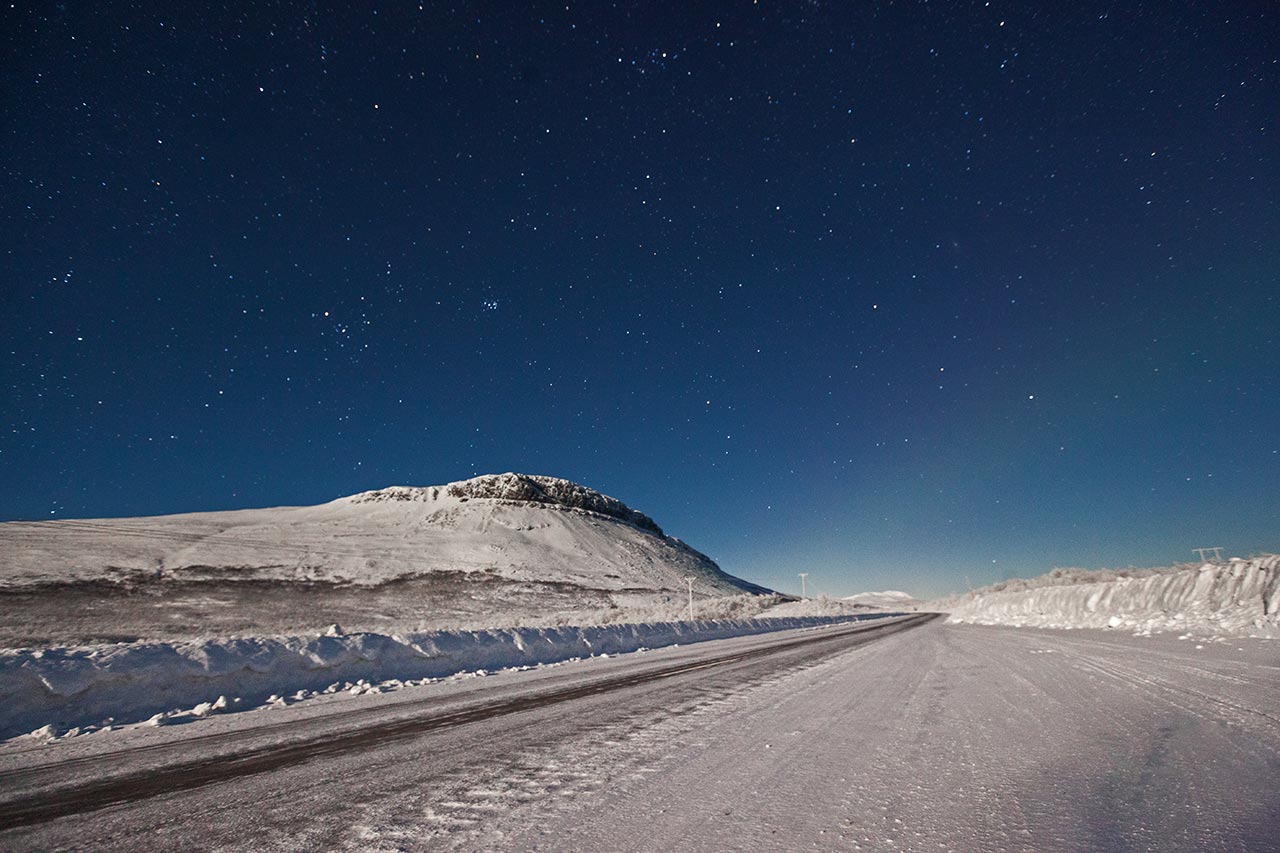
(689,580)
(1217,554)
(803,575)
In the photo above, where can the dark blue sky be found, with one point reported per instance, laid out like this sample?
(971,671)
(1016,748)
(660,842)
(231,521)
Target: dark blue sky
(891,293)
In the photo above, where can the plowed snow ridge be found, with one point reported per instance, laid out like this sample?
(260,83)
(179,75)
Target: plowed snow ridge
(129,682)
(1240,597)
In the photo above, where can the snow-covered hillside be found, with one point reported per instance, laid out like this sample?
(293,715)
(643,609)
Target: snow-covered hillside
(504,548)
(889,599)
(1239,597)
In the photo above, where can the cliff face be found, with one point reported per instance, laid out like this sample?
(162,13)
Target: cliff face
(521,488)
(1240,597)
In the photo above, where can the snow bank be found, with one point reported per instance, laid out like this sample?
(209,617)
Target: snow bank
(131,682)
(1240,597)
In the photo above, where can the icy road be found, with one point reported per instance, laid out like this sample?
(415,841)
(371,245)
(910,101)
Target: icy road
(907,736)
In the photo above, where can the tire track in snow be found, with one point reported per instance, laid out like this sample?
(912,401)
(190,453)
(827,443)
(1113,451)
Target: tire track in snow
(131,787)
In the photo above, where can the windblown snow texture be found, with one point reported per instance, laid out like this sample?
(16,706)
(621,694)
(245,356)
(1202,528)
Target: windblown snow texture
(1239,597)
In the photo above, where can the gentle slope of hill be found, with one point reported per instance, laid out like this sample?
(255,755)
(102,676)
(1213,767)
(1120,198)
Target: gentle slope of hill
(889,599)
(494,549)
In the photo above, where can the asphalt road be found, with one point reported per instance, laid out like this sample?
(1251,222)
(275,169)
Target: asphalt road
(907,737)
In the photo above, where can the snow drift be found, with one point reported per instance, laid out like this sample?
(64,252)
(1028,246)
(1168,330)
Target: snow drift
(1239,597)
(130,682)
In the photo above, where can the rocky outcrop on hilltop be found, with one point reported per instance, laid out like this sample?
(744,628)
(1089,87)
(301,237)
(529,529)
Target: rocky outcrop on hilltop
(493,550)
(521,488)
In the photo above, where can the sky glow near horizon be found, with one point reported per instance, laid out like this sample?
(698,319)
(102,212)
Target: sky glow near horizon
(902,295)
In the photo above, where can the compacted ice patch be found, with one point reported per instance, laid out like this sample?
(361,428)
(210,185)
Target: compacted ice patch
(51,690)
(1236,598)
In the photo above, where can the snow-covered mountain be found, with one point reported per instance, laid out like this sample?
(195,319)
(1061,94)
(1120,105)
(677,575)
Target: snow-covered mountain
(506,546)
(1238,597)
(889,599)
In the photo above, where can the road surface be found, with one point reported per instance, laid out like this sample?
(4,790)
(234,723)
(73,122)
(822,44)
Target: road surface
(924,737)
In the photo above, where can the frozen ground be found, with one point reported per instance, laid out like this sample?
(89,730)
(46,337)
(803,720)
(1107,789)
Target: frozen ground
(938,737)
(1237,597)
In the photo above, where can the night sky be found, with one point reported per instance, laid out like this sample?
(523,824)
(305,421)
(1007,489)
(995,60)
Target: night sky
(891,293)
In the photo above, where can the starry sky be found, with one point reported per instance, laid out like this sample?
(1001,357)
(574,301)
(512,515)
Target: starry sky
(906,295)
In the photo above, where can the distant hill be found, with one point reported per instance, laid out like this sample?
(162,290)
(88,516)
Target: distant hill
(505,547)
(890,599)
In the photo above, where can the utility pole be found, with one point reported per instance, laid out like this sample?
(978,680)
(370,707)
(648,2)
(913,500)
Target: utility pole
(803,575)
(1217,554)
(689,580)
